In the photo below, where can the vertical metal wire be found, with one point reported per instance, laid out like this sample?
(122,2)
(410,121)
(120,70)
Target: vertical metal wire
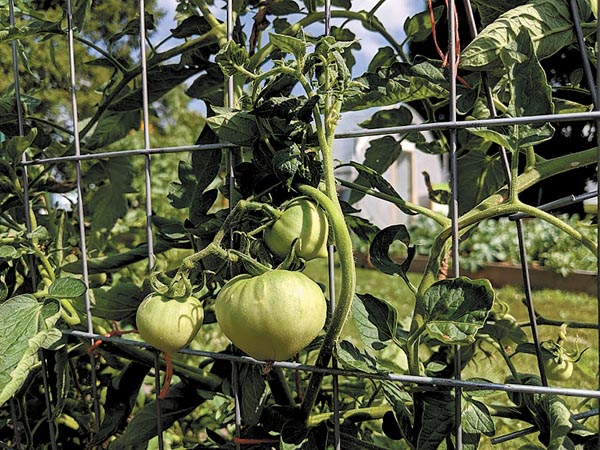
(148,205)
(520,233)
(452,54)
(80,210)
(28,226)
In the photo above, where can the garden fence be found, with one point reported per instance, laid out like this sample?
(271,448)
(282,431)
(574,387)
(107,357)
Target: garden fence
(148,152)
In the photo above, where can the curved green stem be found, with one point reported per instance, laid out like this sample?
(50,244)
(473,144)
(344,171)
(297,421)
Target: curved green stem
(68,313)
(346,294)
(437,217)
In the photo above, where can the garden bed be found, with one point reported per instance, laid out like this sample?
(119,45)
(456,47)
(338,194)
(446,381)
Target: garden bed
(503,274)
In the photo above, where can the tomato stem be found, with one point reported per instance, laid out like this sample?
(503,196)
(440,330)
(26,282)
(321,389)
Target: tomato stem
(168,376)
(348,282)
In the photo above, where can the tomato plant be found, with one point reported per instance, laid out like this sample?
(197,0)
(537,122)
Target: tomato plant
(271,316)
(227,235)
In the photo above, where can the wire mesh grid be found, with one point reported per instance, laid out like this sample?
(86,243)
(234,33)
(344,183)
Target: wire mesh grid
(147,152)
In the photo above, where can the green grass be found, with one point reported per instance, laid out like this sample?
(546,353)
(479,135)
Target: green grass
(552,305)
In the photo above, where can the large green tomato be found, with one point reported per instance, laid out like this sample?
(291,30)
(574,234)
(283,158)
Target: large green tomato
(169,324)
(272,316)
(301,219)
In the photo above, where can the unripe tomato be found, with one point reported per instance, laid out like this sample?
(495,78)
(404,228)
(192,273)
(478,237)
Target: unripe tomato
(169,324)
(272,316)
(558,368)
(301,219)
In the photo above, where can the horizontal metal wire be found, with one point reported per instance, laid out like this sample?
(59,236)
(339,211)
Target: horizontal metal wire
(570,117)
(530,430)
(127,153)
(427,381)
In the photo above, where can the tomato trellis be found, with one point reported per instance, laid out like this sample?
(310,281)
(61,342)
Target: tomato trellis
(452,126)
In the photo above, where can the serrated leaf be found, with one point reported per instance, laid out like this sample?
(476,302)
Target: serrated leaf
(231,58)
(375,319)
(288,44)
(437,420)
(456,308)
(8,252)
(30,328)
(352,358)
(234,127)
(476,420)
(67,288)
(402,416)
(399,82)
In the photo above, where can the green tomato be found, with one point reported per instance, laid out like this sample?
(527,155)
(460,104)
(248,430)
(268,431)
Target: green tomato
(169,324)
(558,368)
(272,316)
(301,219)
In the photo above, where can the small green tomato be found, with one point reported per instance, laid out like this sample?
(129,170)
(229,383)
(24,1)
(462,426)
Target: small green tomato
(169,324)
(301,219)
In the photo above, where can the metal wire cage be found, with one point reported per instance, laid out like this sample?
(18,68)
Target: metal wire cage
(240,363)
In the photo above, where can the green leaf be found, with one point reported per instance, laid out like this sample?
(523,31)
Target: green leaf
(388,118)
(548,23)
(437,420)
(121,396)
(133,28)
(234,127)
(117,261)
(112,126)
(352,358)
(377,181)
(490,11)
(380,155)
(380,247)
(476,420)
(480,176)
(403,416)
(161,80)
(30,328)
(532,95)
(253,393)
(288,44)
(454,309)
(81,9)
(296,436)
(67,287)
(418,27)
(190,26)
(375,319)
(231,58)
(400,82)
(117,302)
(181,400)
